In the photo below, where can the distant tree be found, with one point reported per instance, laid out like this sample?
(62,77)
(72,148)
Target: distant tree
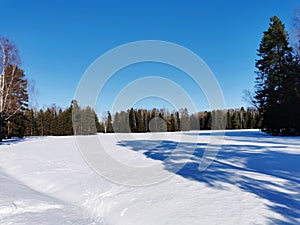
(235,120)
(218,120)
(117,123)
(48,120)
(194,122)
(140,122)
(161,123)
(40,123)
(77,121)
(67,121)
(30,123)
(132,121)
(177,121)
(252,117)
(184,119)
(109,126)
(172,123)
(228,119)
(61,124)
(207,120)
(146,117)
(243,118)
(98,125)
(88,121)
(124,123)
(101,128)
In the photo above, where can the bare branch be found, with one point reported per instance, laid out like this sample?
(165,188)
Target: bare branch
(296,33)
(33,92)
(11,115)
(248,98)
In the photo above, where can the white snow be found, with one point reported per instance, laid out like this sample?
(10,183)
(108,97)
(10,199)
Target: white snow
(255,179)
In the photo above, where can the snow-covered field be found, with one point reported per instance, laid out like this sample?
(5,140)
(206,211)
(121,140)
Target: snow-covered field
(255,179)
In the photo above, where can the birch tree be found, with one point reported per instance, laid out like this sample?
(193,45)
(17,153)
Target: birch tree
(296,34)
(13,84)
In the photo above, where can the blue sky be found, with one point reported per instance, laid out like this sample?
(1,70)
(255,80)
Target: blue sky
(59,39)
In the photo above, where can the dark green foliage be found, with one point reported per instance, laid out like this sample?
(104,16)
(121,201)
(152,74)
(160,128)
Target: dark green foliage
(236,120)
(132,121)
(109,126)
(185,119)
(218,120)
(13,91)
(30,123)
(277,83)
(15,126)
(121,122)
(172,123)
(97,124)
(228,119)
(54,121)
(194,122)
(161,120)
(14,102)
(140,121)
(101,128)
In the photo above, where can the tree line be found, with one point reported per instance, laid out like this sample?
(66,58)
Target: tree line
(53,121)
(75,120)
(162,120)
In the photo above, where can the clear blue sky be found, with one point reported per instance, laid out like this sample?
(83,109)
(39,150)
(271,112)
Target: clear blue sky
(59,39)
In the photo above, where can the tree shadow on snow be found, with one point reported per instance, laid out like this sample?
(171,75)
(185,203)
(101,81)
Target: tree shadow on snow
(253,136)
(242,165)
(11,141)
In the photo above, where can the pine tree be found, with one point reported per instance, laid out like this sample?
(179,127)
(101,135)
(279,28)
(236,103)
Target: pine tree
(185,119)
(109,126)
(228,120)
(132,121)
(194,122)
(97,123)
(235,120)
(177,121)
(40,123)
(274,67)
(30,123)
(117,123)
(76,118)
(172,123)
(207,121)
(101,128)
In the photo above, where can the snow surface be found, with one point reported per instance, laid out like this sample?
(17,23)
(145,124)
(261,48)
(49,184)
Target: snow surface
(255,179)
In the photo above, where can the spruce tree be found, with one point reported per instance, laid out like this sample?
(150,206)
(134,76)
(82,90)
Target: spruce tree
(109,126)
(132,121)
(274,67)
(185,119)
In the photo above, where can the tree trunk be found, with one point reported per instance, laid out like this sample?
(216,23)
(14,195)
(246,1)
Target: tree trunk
(1,127)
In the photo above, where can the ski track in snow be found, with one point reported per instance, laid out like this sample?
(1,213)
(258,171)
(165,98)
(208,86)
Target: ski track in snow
(255,179)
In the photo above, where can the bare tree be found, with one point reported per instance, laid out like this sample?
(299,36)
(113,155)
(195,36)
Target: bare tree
(249,99)
(296,33)
(13,85)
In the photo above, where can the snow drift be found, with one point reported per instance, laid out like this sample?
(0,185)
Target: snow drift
(255,179)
